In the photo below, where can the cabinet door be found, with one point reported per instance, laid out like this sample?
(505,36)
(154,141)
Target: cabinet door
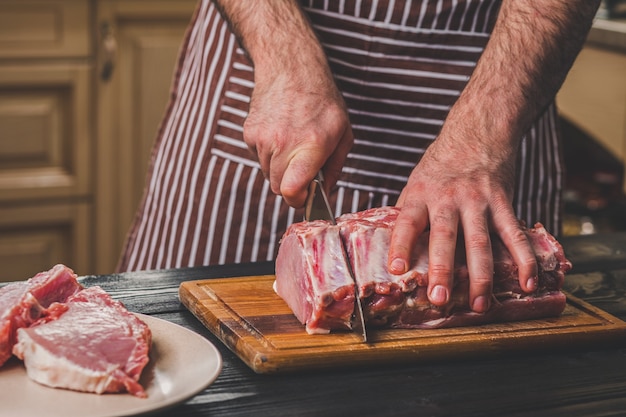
(44,29)
(45,134)
(33,238)
(46,126)
(139,42)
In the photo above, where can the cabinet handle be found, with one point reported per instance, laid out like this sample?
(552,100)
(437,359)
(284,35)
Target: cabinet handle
(109,51)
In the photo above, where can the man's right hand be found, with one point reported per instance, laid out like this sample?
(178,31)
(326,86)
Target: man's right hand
(298,122)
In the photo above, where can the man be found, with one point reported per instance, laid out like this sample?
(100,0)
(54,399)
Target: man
(363,90)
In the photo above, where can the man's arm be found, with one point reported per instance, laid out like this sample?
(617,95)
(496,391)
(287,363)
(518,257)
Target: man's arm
(298,121)
(465,179)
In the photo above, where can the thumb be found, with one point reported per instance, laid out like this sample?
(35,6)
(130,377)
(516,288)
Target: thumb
(300,171)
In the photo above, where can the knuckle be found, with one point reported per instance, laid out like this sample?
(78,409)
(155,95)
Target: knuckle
(482,280)
(518,237)
(250,131)
(480,225)
(528,264)
(479,243)
(443,216)
(439,273)
(405,223)
(249,138)
(443,233)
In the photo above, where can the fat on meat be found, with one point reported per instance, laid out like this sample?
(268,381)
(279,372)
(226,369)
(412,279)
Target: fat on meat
(400,301)
(22,303)
(90,343)
(367,235)
(312,276)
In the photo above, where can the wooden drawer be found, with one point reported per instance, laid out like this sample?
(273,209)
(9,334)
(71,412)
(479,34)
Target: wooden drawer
(34,238)
(44,131)
(44,28)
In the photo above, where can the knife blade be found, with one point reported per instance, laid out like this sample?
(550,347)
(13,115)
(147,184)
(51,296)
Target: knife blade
(317,207)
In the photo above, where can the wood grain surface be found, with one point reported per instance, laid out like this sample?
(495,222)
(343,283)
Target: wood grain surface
(251,320)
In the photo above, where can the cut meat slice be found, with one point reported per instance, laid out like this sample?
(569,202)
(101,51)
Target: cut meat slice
(22,303)
(91,343)
(400,301)
(367,235)
(312,276)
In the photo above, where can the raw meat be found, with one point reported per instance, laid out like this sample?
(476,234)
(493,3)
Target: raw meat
(91,343)
(22,303)
(312,276)
(401,302)
(367,235)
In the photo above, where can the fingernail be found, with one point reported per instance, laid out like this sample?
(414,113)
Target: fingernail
(398,266)
(481,304)
(439,295)
(531,284)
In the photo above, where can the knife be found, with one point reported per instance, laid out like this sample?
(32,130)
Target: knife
(317,207)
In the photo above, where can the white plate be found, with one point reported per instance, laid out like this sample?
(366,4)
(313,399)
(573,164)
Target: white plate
(182,363)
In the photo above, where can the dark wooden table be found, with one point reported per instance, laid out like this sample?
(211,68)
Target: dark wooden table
(575,382)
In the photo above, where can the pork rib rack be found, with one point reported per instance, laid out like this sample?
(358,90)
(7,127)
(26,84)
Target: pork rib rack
(314,281)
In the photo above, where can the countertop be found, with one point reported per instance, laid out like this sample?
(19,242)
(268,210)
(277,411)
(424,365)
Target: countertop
(572,382)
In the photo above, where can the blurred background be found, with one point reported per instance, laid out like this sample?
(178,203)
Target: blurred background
(592,104)
(83,87)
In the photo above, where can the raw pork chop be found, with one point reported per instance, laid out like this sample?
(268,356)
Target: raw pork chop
(312,276)
(22,303)
(90,343)
(400,301)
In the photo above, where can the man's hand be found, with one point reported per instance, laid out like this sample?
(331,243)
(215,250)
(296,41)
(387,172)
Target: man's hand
(465,179)
(298,122)
(453,190)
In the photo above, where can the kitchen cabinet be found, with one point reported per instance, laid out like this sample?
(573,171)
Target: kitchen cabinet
(147,35)
(46,136)
(74,142)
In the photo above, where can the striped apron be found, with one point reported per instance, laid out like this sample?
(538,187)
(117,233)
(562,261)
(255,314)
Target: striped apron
(400,66)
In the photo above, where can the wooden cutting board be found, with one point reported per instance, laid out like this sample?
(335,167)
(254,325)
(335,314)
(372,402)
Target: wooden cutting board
(247,316)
